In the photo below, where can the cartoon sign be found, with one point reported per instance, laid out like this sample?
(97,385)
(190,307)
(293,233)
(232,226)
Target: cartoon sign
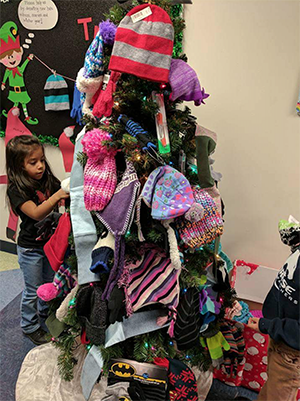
(11,54)
(38,14)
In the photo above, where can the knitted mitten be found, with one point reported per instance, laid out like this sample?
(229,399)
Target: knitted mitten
(63,282)
(215,345)
(102,252)
(103,104)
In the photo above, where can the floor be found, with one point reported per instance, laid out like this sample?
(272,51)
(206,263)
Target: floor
(14,346)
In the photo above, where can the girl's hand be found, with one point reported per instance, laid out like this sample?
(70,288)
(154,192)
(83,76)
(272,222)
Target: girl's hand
(253,323)
(62,194)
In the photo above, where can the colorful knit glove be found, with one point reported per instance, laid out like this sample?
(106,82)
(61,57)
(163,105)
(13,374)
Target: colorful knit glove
(63,283)
(215,345)
(235,355)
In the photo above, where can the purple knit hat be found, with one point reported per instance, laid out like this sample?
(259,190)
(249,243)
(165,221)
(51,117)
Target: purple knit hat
(117,218)
(185,83)
(100,172)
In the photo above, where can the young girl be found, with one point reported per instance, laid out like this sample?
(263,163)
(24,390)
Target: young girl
(33,192)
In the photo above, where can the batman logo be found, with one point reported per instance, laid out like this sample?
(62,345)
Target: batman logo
(122,369)
(124,399)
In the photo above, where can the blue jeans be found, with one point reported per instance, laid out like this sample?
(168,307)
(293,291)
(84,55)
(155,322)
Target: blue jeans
(36,271)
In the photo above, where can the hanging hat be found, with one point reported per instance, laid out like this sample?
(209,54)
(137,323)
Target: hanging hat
(117,218)
(67,148)
(168,193)
(90,77)
(56,94)
(143,47)
(185,83)
(8,37)
(14,126)
(92,312)
(55,249)
(151,280)
(100,172)
(207,228)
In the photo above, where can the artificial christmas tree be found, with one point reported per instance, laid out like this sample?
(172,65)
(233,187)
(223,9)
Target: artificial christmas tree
(168,271)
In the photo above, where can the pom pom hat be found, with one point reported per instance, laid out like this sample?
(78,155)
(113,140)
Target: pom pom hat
(100,172)
(144,48)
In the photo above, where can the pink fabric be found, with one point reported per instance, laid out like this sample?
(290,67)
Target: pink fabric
(100,172)
(67,150)
(103,99)
(256,313)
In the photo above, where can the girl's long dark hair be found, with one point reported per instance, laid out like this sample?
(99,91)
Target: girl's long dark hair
(17,149)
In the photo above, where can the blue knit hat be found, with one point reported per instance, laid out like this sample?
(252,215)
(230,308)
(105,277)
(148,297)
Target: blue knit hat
(56,94)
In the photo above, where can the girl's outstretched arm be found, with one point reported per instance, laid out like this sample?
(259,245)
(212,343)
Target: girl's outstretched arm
(42,210)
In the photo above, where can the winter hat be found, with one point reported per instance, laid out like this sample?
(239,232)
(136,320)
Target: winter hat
(151,280)
(102,252)
(205,230)
(90,77)
(14,126)
(117,218)
(188,321)
(100,172)
(185,84)
(56,94)
(91,312)
(67,148)
(55,249)
(62,284)
(168,193)
(182,382)
(144,46)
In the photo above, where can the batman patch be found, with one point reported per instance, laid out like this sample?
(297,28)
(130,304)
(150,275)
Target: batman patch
(122,369)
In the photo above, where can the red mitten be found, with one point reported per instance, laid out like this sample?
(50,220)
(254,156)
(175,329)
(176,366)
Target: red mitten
(104,103)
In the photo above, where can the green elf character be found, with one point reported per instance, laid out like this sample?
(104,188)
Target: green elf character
(11,56)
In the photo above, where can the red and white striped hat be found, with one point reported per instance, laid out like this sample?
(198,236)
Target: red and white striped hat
(144,48)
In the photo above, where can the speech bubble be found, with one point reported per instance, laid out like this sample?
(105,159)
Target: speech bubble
(38,14)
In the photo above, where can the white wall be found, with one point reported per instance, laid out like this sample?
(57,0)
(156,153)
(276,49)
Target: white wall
(246,54)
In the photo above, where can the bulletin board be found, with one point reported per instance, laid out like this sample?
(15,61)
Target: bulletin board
(58,33)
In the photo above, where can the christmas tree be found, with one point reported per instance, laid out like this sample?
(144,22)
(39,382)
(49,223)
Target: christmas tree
(152,278)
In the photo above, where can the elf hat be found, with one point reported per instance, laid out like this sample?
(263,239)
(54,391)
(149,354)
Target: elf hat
(8,39)
(56,94)
(144,47)
(100,172)
(185,83)
(91,312)
(168,193)
(90,77)
(14,126)
(55,249)
(67,148)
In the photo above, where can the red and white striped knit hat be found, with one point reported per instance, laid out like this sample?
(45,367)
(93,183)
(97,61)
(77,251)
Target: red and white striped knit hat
(144,48)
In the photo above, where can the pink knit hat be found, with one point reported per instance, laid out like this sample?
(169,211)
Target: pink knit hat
(144,46)
(100,172)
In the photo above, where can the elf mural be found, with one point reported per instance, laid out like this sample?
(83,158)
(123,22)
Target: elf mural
(11,56)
